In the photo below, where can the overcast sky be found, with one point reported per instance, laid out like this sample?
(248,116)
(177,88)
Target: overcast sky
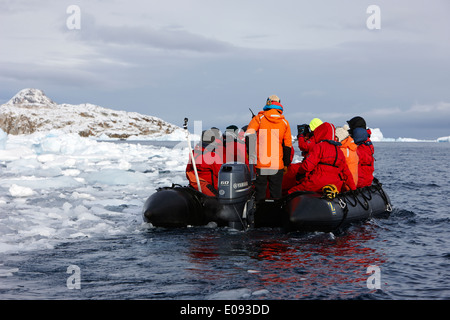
(212,60)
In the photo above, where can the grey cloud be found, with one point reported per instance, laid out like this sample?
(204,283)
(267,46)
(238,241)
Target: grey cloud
(146,37)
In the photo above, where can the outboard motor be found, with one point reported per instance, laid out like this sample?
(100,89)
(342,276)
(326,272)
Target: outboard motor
(235,190)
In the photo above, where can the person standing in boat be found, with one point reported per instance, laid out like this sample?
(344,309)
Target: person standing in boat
(325,164)
(361,136)
(270,139)
(208,160)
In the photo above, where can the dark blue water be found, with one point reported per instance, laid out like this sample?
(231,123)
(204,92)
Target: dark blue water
(410,249)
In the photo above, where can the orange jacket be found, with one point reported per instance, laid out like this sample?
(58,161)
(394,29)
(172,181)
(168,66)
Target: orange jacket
(273,131)
(349,149)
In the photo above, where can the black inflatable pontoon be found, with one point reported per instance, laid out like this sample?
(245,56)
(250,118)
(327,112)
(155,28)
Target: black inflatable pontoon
(179,206)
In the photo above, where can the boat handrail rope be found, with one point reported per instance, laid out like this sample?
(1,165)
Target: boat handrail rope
(379,187)
(344,206)
(365,205)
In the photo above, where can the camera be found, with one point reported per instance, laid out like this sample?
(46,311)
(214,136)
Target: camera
(303,129)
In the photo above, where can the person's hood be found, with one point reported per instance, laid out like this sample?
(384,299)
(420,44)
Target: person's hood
(326,131)
(272,115)
(273,105)
(349,143)
(360,135)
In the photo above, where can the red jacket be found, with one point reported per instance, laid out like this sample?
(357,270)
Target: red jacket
(325,164)
(365,151)
(208,164)
(366,164)
(306,145)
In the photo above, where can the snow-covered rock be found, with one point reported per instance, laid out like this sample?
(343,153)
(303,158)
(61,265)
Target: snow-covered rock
(31,111)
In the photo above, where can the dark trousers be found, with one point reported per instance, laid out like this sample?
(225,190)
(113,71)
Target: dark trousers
(275,180)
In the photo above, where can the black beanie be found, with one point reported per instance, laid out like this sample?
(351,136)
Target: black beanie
(357,122)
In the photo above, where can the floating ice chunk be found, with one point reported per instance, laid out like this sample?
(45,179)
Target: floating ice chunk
(23,166)
(46,158)
(171,163)
(54,215)
(38,230)
(42,183)
(7,272)
(85,215)
(253,271)
(18,191)
(260,292)
(76,188)
(15,153)
(71,172)
(78,235)
(70,163)
(79,210)
(124,165)
(116,177)
(235,294)
(70,144)
(77,195)
(66,207)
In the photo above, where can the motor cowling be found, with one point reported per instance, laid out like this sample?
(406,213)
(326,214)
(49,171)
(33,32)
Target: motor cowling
(234,182)
(234,192)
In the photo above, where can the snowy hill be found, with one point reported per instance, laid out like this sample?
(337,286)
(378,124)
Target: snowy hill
(31,111)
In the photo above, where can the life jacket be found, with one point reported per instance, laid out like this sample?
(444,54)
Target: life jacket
(325,164)
(366,166)
(365,152)
(349,149)
(273,132)
(306,145)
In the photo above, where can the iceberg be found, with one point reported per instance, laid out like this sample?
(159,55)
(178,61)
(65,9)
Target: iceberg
(376,135)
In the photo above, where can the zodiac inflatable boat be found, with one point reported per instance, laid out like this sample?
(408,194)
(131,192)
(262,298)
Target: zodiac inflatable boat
(179,206)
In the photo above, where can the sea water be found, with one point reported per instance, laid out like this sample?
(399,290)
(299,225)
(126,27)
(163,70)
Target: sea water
(71,227)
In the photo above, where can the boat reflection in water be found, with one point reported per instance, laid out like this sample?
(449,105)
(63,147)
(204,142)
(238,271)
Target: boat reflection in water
(281,265)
